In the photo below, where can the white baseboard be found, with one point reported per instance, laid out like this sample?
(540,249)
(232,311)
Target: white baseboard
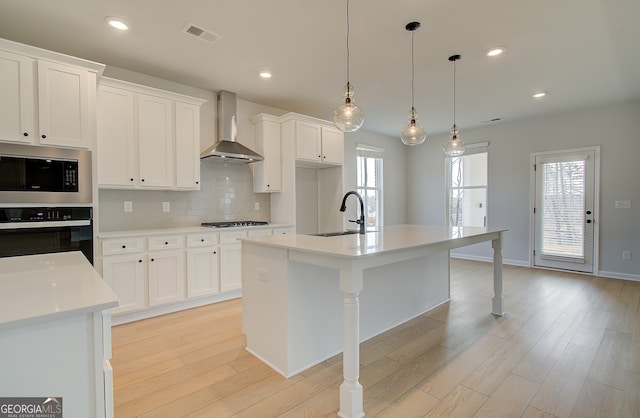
(520,263)
(124,318)
(510,262)
(616,275)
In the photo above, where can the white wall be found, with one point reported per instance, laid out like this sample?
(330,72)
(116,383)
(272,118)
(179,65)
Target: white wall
(615,128)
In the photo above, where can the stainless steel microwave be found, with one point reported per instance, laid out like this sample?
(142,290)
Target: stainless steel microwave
(44,175)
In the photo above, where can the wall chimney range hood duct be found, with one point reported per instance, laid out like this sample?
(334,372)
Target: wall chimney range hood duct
(227,149)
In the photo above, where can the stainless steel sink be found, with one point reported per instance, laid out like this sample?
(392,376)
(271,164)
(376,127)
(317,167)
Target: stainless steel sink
(335,234)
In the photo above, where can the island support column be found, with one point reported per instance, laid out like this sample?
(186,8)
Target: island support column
(496,302)
(351,279)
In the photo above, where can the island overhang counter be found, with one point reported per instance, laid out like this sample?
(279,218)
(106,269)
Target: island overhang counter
(307,298)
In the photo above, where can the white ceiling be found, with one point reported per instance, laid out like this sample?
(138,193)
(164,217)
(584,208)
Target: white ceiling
(584,52)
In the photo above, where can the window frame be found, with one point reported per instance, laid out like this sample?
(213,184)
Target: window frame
(471,149)
(372,152)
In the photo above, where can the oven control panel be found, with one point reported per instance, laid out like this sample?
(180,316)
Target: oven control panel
(44,214)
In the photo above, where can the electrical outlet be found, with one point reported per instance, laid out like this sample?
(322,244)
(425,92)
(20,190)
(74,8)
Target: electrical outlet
(128,206)
(256,205)
(166,206)
(626,255)
(623,204)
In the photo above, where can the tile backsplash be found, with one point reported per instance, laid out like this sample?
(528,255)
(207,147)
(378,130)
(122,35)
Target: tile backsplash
(226,193)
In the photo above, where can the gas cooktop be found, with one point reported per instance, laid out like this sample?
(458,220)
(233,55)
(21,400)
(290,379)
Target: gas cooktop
(230,224)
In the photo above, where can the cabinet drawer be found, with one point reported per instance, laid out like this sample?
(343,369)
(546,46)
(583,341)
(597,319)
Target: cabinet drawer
(166,242)
(259,232)
(202,240)
(284,231)
(122,246)
(231,236)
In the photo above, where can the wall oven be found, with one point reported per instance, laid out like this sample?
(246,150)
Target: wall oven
(27,231)
(34,175)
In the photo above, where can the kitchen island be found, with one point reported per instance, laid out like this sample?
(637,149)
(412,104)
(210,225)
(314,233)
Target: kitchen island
(307,298)
(55,332)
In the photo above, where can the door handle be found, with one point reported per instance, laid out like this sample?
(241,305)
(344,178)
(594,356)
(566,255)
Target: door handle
(588,221)
(588,212)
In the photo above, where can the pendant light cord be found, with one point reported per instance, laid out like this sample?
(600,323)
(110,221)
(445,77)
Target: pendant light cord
(348,52)
(412,69)
(454,92)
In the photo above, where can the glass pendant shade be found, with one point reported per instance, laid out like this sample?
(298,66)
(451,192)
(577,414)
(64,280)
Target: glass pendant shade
(348,117)
(413,133)
(454,147)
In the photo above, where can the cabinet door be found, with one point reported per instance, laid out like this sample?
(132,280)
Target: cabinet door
(203,271)
(117,156)
(187,119)
(308,137)
(332,146)
(17,101)
(155,141)
(166,276)
(125,276)
(63,104)
(230,266)
(267,174)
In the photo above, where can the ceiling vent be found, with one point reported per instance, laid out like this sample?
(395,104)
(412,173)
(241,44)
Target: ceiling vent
(200,33)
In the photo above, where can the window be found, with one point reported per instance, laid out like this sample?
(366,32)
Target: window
(467,187)
(369,183)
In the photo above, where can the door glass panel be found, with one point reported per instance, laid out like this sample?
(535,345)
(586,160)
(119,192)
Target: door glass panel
(563,208)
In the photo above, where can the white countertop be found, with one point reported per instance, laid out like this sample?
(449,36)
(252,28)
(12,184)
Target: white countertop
(182,230)
(389,239)
(38,288)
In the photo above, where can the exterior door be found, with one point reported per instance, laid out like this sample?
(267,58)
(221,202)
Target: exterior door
(564,211)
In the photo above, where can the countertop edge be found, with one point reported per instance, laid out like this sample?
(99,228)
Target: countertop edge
(55,316)
(183,230)
(290,242)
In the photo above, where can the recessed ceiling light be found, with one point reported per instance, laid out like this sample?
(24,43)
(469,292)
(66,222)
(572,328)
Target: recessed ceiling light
(265,74)
(495,51)
(539,94)
(117,23)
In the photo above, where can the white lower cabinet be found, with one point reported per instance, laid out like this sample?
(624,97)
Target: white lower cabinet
(231,260)
(166,276)
(203,265)
(157,270)
(125,276)
(230,266)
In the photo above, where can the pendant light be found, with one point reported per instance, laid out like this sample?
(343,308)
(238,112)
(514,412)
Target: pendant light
(348,117)
(413,133)
(454,147)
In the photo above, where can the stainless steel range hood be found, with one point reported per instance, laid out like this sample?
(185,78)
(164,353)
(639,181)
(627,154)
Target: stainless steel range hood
(227,149)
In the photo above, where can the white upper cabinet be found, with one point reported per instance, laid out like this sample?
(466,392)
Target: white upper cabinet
(332,146)
(63,105)
(308,141)
(17,103)
(267,174)
(318,143)
(45,101)
(147,138)
(117,151)
(155,141)
(187,127)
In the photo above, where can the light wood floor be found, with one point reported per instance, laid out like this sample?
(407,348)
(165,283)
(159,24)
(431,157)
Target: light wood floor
(569,347)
